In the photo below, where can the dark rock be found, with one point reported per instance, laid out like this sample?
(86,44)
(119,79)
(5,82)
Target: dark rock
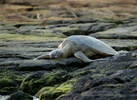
(2,1)
(51,22)
(106,79)
(134,65)
(20,96)
(125,32)
(87,20)
(8,86)
(26,30)
(55,26)
(84,29)
(101,27)
(122,44)
(50,93)
(35,82)
(7,27)
(35,65)
(78,29)
(72,31)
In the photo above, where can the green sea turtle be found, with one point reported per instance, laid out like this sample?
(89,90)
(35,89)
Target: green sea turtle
(81,47)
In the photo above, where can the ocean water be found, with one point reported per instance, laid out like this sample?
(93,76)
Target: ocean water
(6,96)
(3,97)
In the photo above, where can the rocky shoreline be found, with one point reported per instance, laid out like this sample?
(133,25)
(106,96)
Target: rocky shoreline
(26,37)
(64,79)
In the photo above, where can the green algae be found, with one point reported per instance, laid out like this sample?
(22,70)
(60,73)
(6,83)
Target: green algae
(8,86)
(8,90)
(50,93)
(6,82)
(9,82)
(19,37)
(36,84)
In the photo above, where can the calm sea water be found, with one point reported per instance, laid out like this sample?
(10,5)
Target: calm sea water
(6,96)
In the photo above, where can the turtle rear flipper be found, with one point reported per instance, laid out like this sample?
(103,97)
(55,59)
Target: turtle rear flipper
(82,56)
(44,56)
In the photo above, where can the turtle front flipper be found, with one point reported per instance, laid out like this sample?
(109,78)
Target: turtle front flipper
(44,56)
(82,56)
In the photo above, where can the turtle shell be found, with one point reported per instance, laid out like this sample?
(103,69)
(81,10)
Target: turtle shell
(89,45)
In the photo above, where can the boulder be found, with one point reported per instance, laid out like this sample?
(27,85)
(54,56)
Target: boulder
(113,78)
(20,96)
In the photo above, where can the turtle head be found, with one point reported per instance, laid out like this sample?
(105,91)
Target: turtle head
(56,54)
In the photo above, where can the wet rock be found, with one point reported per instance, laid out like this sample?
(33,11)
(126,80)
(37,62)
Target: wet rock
(134,65)
(26,30)
(35,65)
(65,79)
(8,86)
(59,22)
(122,44)
(84,29)
(6,27)
(102,80)
(124,37)
(101,27)
(87,20)
(118,33)
(20,96)
(53,92)
(36,82)
(95,79)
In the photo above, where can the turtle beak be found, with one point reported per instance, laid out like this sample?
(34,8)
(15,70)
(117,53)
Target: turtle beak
(56,54)
(53,55)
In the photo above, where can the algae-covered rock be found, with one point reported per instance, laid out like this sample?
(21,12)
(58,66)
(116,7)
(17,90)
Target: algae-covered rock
(24,37)
(20,96)
(50,93)
(8,86)
(36,81)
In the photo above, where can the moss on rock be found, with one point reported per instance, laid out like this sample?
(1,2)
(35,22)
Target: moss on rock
(50,93)
(20,96)
(8,90)
(36,84)
(7,86)
(20,37)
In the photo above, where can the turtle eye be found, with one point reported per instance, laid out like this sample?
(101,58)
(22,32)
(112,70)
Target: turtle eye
(56,54)
(53,55)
